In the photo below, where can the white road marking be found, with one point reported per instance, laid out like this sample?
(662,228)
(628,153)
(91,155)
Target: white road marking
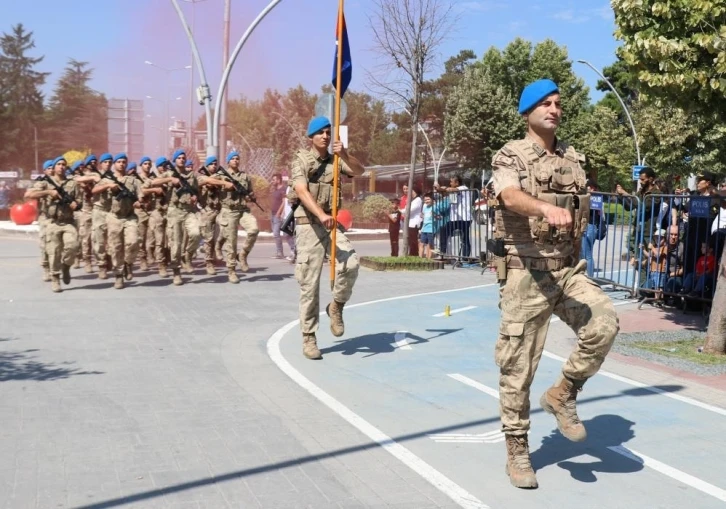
(673,473)
(453,311)
(402,340)
(473,383)
(491,437)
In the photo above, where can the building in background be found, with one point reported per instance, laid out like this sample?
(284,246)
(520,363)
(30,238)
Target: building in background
(126,127)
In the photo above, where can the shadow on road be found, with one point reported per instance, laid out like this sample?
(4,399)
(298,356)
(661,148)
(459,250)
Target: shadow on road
(381,342)
(20,365)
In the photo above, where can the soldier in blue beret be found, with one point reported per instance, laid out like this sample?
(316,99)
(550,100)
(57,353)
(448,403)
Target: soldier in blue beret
(542,214)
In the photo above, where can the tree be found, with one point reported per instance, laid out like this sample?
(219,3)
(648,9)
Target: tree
(678,51)
(21,102)
(480,119)
(407,35)
(77,114)
(624,81)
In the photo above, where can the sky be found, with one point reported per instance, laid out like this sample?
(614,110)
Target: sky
(293,45)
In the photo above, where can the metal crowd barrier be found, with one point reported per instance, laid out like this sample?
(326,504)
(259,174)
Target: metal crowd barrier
(683,240)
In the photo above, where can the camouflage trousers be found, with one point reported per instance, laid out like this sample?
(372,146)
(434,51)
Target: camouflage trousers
(123,241)
(100,235)
(210,232)
(312,243)
(528,299)
(143,233)
(43,223)
(156,236)
(182,230)
(61,244)
(85,233)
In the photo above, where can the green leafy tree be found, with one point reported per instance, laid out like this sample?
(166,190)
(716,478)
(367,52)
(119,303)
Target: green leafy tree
(21,102)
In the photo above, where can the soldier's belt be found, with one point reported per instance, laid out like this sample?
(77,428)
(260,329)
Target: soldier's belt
(306,220)
(541,264)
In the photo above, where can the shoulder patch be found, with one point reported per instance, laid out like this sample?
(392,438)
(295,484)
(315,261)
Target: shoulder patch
(503,160)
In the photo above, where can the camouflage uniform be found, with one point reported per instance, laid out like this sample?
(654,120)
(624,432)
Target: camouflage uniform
(123,228)
(210,203)
(61,237)
(543,278)
(85,225)
(142,213)
(182,220)
(312,240)
(156,245)
(234,211)
(101,207)
(42,230)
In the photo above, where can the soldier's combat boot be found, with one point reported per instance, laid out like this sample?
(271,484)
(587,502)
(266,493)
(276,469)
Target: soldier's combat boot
(89,267)
(162,270)
(232,274)
(519,467)
(177,277)
(310,347)
(46,274)
(335,312)
(119,284)
(143,265)
(187,264)
(128,271)
(77,264)
(66,271)
(559,400)
(243,266)
(102,273)
(55,284)
(211,270)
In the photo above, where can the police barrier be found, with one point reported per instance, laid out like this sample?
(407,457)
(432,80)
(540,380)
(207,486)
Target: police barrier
(613,221)
(679,246)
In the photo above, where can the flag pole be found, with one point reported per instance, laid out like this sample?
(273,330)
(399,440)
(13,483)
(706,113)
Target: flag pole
(336,159)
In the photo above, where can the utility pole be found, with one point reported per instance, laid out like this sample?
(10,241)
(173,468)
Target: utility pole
(225,61)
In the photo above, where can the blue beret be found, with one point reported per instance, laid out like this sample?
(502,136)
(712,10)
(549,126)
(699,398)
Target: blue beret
(317,124)
(232,154)
(534,93)
(210,160)
(178,152)
(105,157)
(190,163)
(119,156)
(76,165)
(90,158)
(161,161)
(69,173)
(58,159)
(144,160)
(131,167)
(48,164)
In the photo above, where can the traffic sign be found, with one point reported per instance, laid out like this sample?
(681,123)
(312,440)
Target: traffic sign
(636,171)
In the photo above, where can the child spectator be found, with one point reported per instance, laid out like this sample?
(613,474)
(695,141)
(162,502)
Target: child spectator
(426,242)
(394,226)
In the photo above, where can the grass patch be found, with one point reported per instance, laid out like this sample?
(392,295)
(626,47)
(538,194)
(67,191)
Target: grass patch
(683,349)
(399,259)
(400,263)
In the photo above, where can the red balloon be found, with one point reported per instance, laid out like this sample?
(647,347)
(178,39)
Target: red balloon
(345,218)
(23,213)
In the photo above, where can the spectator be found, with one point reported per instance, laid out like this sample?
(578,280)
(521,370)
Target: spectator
(593,226)
(427,229)
(414,222)
(286,211)
(703,274)
(277,208)
(460,199)
(404,198)
(4,202)
(698,228)
(651,214)
(658,257)
(394,226)
(674,263)
(718,229)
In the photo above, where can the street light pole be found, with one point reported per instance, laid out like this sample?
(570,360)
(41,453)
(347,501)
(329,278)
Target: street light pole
(191,128)
(622,103)
(222,115)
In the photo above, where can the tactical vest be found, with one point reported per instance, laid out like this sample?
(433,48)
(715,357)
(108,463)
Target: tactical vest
(230,198)
(123,206)
(57,212)
(322,188)
(184,202)
(559,181)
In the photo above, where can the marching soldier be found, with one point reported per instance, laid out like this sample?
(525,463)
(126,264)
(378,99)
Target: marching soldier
(123,224)
(312,187)
(157,241)
(543,213)
(246,220)
(76,170)
(85,219)
(60,232)
(210,203)
(43,222)
(148,204)
(101,208)
(183,188)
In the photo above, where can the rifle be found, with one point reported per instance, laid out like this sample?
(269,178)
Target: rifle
(184,186)
(124,192)
(204,171)
(65,198)
(238,187)
(288,224)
